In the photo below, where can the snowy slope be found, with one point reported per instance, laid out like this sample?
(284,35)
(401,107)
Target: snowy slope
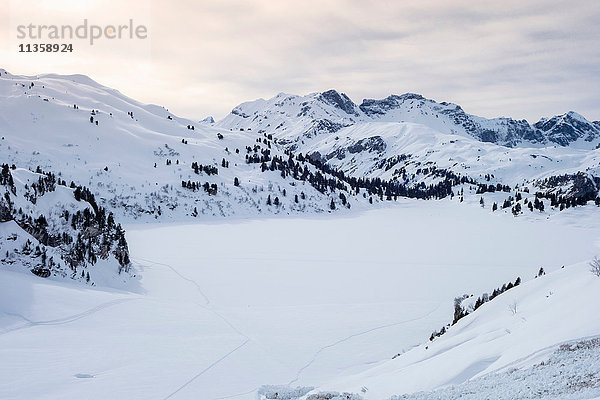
(372,149)
(134,157)
(56,232)
(569,373)
(550,310)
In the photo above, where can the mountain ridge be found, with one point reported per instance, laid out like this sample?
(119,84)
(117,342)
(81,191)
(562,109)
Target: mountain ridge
(561,130)
(289,154)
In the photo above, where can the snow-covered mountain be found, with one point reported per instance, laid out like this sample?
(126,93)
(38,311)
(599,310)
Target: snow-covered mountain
(141,161)
(327,112)
(404,138)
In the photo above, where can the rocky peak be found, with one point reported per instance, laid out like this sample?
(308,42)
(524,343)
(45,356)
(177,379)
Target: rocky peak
(569,127)
(339,100)
(373,107)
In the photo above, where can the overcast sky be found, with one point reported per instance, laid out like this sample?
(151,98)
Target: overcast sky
(524,59)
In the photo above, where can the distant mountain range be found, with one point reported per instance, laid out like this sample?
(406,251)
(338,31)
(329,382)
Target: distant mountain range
(334,110)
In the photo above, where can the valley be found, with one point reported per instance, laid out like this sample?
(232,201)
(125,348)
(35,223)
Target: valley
(302,247)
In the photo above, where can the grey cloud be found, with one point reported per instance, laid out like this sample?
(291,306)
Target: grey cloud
(522,59)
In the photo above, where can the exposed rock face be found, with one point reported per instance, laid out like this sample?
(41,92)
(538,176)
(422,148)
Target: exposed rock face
(340,101)
(237,111)
(580,185)
(567,128)
(373,107)
(372,144)
(323,126)
(5,214)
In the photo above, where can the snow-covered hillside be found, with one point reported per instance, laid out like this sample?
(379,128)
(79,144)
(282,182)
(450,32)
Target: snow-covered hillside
(59,232)
(136,158)
(489,354)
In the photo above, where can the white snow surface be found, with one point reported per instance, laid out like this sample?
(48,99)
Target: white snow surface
(571,372)
(224,308)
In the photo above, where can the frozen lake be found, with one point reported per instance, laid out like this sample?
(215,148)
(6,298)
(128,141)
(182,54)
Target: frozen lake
(225,307)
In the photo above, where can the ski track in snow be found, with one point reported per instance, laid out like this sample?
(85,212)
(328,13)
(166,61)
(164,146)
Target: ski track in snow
(141,261)
(340,341)
(64,320)
(193,282)
(207,307)
(206,369)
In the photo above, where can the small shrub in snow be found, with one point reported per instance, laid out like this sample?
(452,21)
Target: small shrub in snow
(540,272)
(595,266)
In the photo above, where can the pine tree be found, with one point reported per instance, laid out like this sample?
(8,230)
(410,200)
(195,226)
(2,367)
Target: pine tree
(516,209)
